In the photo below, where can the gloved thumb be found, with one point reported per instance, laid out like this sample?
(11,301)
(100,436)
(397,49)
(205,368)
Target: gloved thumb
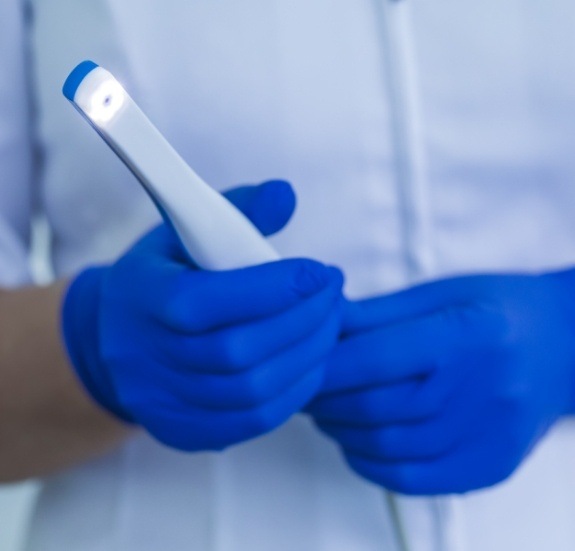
(269,206)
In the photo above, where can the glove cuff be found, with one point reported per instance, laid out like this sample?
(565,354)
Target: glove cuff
(80,330)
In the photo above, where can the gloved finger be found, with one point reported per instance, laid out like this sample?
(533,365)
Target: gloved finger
(469,468)
(249,389)
(194,428)
(408,478)
(243,346)
(419,301)
(413,400)
(197,302)
(160,242)
(419,440)
(364,407)
(395,353)
(269,206)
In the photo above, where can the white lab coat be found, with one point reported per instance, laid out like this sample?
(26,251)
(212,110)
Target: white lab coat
(423,138)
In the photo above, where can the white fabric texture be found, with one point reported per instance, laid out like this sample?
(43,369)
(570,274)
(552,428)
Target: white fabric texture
(423,139)
(16,159)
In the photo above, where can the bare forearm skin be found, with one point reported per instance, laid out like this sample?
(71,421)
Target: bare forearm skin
(47,421)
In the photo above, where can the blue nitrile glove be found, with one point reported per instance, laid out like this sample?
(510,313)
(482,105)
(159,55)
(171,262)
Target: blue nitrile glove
(447,387)
(202,359)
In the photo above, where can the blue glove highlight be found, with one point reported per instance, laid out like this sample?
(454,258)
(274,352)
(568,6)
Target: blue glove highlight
(203,360)
(448,386)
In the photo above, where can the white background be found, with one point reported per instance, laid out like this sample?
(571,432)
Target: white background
(15,505)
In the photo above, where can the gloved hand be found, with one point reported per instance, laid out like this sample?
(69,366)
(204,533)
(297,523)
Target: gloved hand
(201,359)
(446,387)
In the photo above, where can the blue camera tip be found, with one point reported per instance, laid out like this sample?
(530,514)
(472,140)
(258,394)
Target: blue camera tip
(76,77)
